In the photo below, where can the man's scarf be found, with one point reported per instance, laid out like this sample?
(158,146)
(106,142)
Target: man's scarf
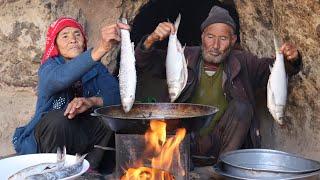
(53,31)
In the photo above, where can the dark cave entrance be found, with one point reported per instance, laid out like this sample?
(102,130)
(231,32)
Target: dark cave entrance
(193,13)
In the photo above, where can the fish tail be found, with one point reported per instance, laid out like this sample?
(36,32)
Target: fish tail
(80,158)
(276,43)
(124,20)
(177,22)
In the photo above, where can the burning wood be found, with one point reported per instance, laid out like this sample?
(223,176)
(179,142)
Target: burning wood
(160,151)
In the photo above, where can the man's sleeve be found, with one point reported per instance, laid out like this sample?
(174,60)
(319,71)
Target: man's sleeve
(145,57)
(259,69)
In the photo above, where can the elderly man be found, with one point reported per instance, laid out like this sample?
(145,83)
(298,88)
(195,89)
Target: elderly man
(218,75)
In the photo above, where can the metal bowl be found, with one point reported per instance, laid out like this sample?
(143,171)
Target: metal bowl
(224,175)
(265,163)
(190,116)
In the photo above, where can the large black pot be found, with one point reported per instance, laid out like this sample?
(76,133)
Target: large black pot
(190,116)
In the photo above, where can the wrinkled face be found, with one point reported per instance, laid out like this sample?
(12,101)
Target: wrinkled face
(70,42)
(217,42)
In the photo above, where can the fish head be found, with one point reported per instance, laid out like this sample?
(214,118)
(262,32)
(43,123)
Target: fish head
(174,92)
(278,116)
(127,104)
(279,120)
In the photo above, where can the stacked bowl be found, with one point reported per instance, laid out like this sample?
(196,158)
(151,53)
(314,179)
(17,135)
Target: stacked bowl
(266,164)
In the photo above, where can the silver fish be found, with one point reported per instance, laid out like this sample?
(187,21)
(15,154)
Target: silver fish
(63,172)
(176,65)
(277,87)
(127,71)
(40,168)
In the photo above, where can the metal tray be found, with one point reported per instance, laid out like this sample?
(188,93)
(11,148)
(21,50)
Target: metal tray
(265,163)
(224,175)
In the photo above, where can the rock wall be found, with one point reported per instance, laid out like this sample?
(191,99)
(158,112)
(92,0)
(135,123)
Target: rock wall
(298,22)
(23,26)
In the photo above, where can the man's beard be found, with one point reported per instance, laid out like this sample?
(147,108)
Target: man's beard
(215,59)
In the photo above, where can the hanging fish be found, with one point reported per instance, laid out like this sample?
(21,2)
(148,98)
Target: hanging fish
(176,65)
(277,86)
(127,71)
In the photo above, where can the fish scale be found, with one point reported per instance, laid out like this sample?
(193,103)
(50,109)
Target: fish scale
(127,70)
(277,87)
(176,65)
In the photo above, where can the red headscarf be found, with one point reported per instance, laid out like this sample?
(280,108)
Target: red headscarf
(53,31)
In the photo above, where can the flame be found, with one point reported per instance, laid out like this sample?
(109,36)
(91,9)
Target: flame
(161,151)
(146,173)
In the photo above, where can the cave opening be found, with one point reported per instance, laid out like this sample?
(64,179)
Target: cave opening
(193,13)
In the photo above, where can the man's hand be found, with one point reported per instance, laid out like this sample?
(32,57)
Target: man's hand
(80,105)
(162,31)
(289,51)
(110,35)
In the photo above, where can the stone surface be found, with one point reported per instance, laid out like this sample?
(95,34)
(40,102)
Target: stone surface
(17,107)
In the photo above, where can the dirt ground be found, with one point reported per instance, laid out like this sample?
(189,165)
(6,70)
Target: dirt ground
(17,107)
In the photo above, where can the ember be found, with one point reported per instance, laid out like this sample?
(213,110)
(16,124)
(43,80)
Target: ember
(160,152)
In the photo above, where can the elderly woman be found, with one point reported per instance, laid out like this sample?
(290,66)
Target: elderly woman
(72,81)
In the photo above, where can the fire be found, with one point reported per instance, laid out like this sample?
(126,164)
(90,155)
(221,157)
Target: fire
(161,150)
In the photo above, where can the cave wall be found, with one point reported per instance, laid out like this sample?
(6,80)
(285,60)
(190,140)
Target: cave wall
(23,26)
(298,22)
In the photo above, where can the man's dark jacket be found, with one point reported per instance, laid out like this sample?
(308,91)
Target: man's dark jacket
(243,74)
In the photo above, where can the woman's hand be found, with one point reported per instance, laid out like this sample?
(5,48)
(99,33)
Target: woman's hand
(80,105)
(109,36)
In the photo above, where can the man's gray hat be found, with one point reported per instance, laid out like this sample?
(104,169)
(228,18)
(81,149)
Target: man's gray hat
(218,15)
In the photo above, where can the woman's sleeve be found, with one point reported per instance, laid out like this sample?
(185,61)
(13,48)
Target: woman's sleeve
(54,76)
(108,87)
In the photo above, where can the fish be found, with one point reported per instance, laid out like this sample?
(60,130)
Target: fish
(42,167)
(62,172)
(277,86)
(176,65)
(127,70)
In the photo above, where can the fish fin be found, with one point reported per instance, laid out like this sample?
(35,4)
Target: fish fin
(64,155)
(80,158)
(184,47)
(276,43)
(177,23)
(132,45)
(59,154)
(185,64)
(270,67)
